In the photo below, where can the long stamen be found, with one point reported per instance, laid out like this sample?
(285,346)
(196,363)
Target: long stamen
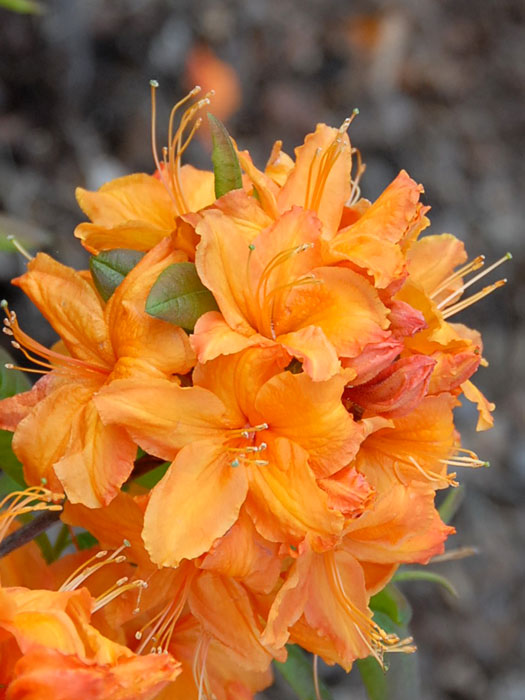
(465,303)
(32,499)
(465,270)
(25,343)
(120,587)
(21,249)
(85,570)
(433,476)
(475,279)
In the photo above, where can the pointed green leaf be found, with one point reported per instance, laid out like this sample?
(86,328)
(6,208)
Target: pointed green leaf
(224,158)
(298,673)
(109,268)
(422,575)
(178,296)
(451,504)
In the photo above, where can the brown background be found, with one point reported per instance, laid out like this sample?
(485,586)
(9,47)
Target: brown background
(441,90)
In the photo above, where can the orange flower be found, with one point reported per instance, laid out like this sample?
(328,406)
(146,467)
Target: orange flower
(58,433)
(138,211)
(274,289)
(237,433)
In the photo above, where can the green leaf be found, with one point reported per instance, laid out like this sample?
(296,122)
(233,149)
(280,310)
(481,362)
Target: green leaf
(451,504)
(421,575)
(392,613)
(178,296)
(110,267)
(23,6)
(12,382)
(298,673)
(152,478)
(393,603)
(86,540)
(226,166)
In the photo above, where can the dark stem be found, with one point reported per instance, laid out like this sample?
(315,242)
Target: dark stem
(28,532)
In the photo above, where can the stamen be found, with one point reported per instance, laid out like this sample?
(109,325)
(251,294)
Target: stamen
(462,305)
(315,671)
(465,270)
(30,500)
(460,291)
(30,347)
(16,243)
(85,570)
(355,192)
(120,587)
(433,476)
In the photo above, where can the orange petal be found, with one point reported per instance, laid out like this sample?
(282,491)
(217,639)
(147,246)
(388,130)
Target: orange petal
(402,527)
(413,448)
(392,214)
(244,555)
(97,460)
(279,165)
(161,416)
(485,408)
(285,502)
(134,333)
(380,258)
(46,674)
(317,354)
(432,259)
(121,519)
(397,390)
(214,599)
(71,306)
(349,492)
(325,429)
(198,187)
(16,408)
(202,470)
(345,306)
(212,337)
(320,179)
(42,437)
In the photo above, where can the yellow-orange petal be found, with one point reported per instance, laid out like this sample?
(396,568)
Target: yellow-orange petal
(320,180)
(312,415)
(214,599)
(402,527)
(42,437)
(204,470)
(392,214)
(485,407)
(71,306)
(97,460)
(161,416)
(413,448)
(137,197)
(134,333)
(212,337)
(285,502)
(380,258)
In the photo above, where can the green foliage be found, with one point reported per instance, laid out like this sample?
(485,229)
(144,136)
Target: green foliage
(178,296)
(12,382)
(110,267)
(298,673)
(400,679)
(423,575)
(224,158)
(151,478)
(24,7)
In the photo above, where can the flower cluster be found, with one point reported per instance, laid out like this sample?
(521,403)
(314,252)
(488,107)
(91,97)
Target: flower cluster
(278,352)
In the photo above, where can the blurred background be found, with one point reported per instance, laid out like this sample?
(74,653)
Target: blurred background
(440,85)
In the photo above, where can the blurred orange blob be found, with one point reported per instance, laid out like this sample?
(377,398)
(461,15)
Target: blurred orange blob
(204,68)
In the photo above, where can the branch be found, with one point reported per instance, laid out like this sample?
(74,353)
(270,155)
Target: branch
(28,532)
